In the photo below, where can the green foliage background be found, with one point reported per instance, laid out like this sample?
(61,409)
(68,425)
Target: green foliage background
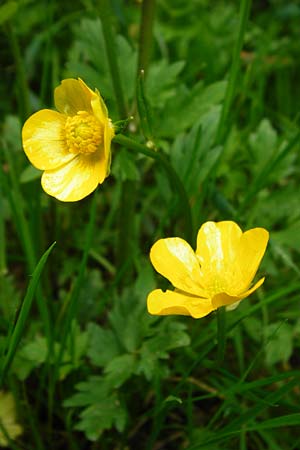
(88,367)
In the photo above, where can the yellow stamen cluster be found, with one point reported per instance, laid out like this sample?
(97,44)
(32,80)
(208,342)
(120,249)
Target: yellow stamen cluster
(84,133)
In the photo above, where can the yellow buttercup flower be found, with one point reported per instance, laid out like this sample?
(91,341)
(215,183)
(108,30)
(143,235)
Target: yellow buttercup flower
(8,418)
(219,273)
(72,145)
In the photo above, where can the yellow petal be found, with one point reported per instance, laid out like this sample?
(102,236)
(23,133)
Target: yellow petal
(225,299)
(252,247)
(173,302)
(44,140)
(108,136)
(73,96)
(217,247)
(99,107)
(175,259)
(76,179)
(217,244)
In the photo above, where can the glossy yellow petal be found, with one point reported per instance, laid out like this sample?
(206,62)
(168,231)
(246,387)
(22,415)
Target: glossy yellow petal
(76,179)
(252,248)
(175,259)
(225,299)
(108,136)
(174,302)
(217,247)
(99,107)
(44,140)
(73,95)
(217,244)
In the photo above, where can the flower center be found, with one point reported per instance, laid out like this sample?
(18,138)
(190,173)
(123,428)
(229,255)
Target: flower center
(84,133)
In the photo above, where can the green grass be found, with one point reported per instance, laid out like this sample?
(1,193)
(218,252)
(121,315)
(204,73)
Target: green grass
(214,135)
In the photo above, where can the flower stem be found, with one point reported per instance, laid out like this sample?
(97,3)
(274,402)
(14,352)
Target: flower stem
(24,103)
(171,173)
(105,16)
(234,69)
(146,34)
(221,333)
(18,208)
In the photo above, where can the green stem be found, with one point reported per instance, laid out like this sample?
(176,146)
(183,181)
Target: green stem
(234,70)
(128,193)
(17,205)
(105,15)
(146,35)
(3,268)
(126,225)
(23,315)
(221,321)
(171,173)
(23,92)
(72,307)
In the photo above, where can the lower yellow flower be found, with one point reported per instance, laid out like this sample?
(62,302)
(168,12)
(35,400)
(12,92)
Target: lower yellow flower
(8,419)
(72,146)
(219,273)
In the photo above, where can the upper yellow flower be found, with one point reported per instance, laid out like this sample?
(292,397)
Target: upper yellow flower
(8,418)
(219,273)
(72,146)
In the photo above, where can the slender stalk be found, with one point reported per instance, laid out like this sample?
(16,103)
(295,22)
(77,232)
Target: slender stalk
(72,307)
(127,201)
(17,204)
(126,225)
(105,16)
(234,70)
(171,173)
(23,315)
(3,267)
(23,95)
(146,35)
(221,320)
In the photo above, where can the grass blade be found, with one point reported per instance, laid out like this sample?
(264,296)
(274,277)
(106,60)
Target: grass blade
(25,309)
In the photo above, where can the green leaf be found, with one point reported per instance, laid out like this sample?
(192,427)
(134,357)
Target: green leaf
(289,237)
(88,59)
(280,346)
(75,350)
(168,336)
(30,356)
(161,81)
(30,174)
(120,369)
(24,312)
(173,398)
(12,132)
(94,390)
(128,322)
(103,409)
(263,143)
(124,166)
(193,154)
(103,345)
(186,107)
(254,328)
(145,281)
(9,298)
(102,416)
(289,420)
(7,11)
